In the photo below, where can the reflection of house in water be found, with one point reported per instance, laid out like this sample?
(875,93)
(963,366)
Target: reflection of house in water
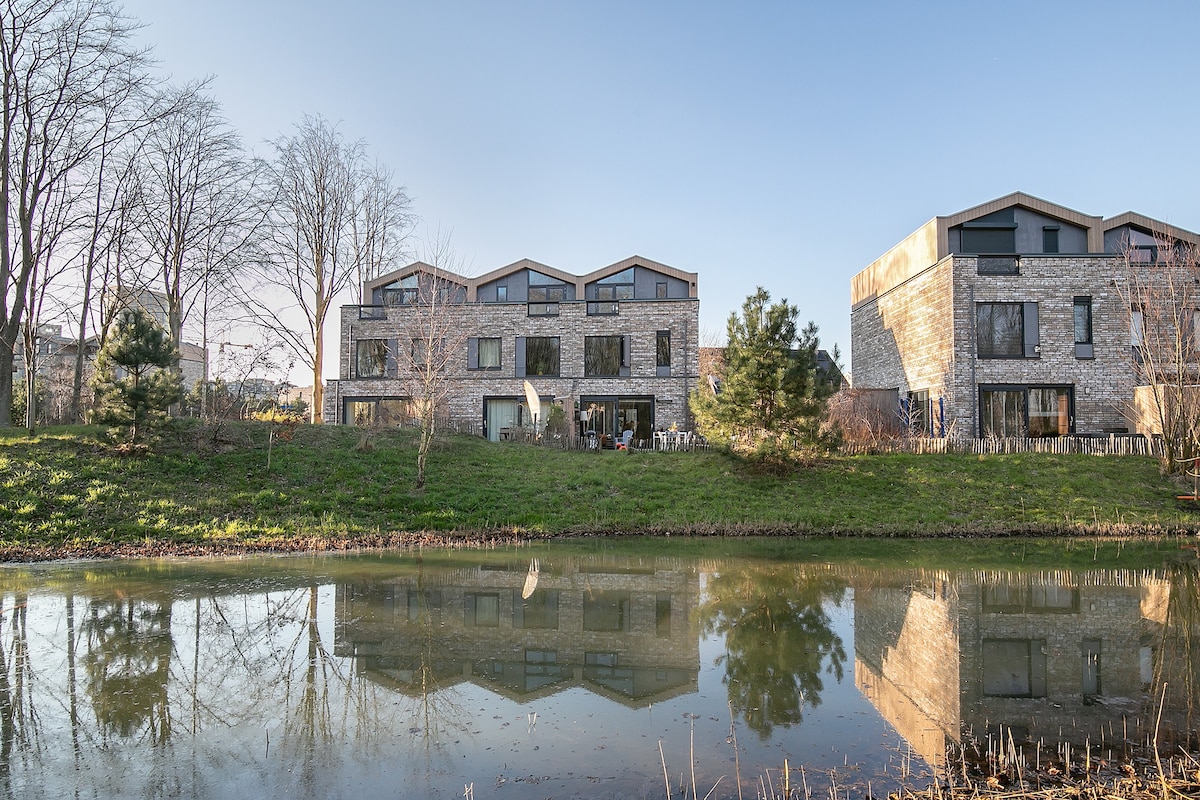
(1060,655)
(627,633)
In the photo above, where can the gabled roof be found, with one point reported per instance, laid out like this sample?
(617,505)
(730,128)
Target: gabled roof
(1026,201)
(1154,226)
(412,269)
(638,261)
(472,284)
(524,263)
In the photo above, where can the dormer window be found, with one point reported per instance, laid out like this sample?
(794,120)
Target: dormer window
(403,292)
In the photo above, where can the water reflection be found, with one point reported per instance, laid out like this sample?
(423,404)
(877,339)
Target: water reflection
(778,639)
(417,675)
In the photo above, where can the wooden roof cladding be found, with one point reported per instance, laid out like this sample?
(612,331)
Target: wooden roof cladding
(930,243)
(578,281)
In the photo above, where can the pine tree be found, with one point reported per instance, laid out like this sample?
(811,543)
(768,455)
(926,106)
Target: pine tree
(771,398)
(136,381)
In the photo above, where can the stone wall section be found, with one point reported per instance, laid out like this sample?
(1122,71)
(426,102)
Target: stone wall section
(1113,617)
(903,339)
(640,319)
(920,335)
(1103,385)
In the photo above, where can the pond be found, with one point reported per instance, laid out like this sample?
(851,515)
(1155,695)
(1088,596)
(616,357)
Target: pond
(589,669)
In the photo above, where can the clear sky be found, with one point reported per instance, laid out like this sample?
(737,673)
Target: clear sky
(781,144)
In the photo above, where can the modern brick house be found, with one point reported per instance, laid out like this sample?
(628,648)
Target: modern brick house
(617,348)
(1005,319)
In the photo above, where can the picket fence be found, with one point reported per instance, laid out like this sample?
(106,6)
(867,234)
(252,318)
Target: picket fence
(1114,445)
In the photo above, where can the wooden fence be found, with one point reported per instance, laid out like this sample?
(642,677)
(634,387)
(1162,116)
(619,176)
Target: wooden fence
(1114,445)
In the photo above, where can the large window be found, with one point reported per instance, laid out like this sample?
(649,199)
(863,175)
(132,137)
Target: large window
(984,238)
(539,610)
(482,610)
(545,293)
(1014,667)
(916,413)
(606,610)
(483,353)
(537,355)
(376,411)
(370,358)
(1015,411)
(421,355)
(1006,330)
(605,356)
(403,292)
(616,287)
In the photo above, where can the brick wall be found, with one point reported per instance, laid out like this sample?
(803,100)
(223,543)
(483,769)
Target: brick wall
(640,319)
(920,335)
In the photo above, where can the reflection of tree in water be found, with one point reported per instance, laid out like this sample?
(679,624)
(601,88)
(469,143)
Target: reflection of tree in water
(128,664)
(19,729)
(778,639)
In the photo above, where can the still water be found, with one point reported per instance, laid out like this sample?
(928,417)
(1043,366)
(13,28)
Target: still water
(583,670)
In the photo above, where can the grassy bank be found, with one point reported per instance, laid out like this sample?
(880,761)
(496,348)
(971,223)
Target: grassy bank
(66,491)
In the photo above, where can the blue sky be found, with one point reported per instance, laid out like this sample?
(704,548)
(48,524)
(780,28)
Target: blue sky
(781,144)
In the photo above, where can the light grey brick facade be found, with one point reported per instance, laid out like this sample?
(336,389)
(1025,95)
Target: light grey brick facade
(916,316)
(671,307)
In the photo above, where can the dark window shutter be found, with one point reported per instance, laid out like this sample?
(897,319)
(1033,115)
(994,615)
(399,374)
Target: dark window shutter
(519,357)
(1031,330)
(473,353)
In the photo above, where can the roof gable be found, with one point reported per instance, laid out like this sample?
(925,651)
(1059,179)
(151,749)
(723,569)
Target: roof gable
(1154,226)
(639,261)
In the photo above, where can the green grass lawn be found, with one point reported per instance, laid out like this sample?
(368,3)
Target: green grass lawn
(67,490)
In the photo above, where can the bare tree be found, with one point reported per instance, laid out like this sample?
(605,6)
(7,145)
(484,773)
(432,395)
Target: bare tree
(332,221)
(107,233)
(54,224)
(1161,289)
(430,341)
(381,224)
(61,62)
(195,205)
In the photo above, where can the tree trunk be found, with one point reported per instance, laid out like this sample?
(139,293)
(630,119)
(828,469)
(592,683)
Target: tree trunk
(318,393)
(6,385)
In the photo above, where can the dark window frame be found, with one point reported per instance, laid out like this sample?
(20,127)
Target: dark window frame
(1027,428)
(553,367)
(1023,343)
(378,358)
(1083,323)
(599,362)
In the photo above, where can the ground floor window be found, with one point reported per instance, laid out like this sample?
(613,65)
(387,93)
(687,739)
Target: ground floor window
(1014,667)
(1034,411)
(376,411)
(610,417)
(504,416)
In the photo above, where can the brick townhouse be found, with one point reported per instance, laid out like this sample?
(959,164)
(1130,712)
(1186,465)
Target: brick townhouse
(1005,319)
(617,347)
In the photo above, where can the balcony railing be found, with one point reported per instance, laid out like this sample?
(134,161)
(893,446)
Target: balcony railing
(603,308)
(998,265)
(372,312)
